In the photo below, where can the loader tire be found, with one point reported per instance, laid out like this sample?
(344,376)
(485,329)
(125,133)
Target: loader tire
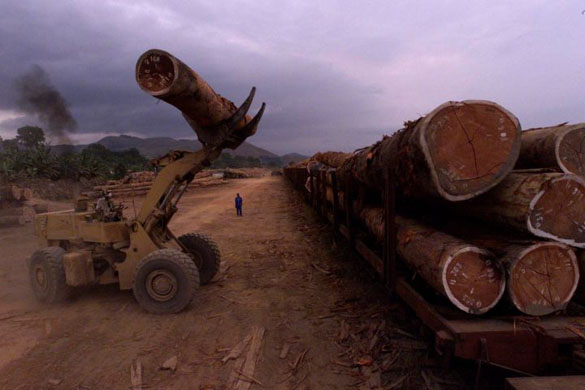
(165,281)
(47,275)
(205,254)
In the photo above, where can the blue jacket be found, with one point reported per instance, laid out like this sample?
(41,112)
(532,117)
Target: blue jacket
(239,201)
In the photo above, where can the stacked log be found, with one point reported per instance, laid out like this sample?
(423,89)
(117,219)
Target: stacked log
(17,206)
(459,159)
(547,205)
(466,274)
(458,151)
(121,190)
(559,147)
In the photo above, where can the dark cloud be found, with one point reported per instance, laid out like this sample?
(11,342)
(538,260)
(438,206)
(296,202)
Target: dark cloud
(334,75)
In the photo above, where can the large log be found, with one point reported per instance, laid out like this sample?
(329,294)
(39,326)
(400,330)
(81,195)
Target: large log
(548,205)
(467,275)
(458,151)
(164,76)
(559,147)
(541,276)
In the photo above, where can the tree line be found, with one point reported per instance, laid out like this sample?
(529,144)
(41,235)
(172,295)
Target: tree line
(28,155)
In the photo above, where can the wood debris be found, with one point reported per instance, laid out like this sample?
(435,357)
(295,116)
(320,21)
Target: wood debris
(136,375)
(170,364)
(236,351)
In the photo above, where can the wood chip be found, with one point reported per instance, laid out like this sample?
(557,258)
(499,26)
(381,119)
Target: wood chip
(248,378)
(136,375)
(251,358)
(299,360)
(236,351)
(284,351)
(170,364)
(364,361)
(344,331)
(55,382)
(320,269)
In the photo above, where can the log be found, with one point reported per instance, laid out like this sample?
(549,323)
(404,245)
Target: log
(458,151)
(28,214)
(164,76)
(331,159)
(467,275)
(559,147)
(11,220)
(16,192)
(547,205)
(542,277)
(27,193)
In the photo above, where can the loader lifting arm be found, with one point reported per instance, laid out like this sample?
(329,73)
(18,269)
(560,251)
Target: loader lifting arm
(218,123)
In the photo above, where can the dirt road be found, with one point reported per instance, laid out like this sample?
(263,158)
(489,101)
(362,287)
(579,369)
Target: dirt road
(282,271)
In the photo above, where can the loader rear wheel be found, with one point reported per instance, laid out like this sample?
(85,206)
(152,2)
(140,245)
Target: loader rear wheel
(205,253)
(47,275)
(165,281)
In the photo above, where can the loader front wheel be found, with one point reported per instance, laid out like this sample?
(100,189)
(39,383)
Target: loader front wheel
(165,281)
(204,252)
(47,275)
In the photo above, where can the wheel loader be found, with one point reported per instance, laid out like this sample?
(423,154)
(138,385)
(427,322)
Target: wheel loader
(95,244)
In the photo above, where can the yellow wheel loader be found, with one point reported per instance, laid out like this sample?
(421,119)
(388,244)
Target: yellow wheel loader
(95,244)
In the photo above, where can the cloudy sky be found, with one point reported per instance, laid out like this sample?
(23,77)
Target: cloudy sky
(335,74)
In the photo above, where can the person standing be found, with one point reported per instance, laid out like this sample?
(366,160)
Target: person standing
(239,202)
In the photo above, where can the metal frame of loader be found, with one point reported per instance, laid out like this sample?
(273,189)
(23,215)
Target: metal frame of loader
(524,346)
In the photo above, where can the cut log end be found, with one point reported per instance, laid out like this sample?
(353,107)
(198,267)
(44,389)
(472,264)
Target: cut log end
(570,151)
(473,281)
(556,212)
(543,279)
(470,146)
(156,71)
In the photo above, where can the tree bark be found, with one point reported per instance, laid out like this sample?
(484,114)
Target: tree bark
(331,159)
(559,147)
(466,274)
(458,151)
(164,76)
(548,205)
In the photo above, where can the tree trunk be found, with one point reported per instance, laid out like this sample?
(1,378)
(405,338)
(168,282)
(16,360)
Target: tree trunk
(164,76)
(548,205)
(466,274)
(458,151)
(559,147)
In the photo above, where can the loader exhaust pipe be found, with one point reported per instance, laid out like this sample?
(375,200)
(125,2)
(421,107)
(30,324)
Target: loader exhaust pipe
(216,120)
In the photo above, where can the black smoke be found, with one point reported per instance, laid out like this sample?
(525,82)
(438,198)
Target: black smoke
(38,97)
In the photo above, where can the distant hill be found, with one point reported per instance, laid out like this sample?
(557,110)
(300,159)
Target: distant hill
(158,146)
(292,158)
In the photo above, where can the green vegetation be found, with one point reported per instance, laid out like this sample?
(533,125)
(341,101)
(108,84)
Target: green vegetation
(227,160)
(28,156)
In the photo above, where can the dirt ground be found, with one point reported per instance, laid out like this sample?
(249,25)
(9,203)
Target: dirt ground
(282,271)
